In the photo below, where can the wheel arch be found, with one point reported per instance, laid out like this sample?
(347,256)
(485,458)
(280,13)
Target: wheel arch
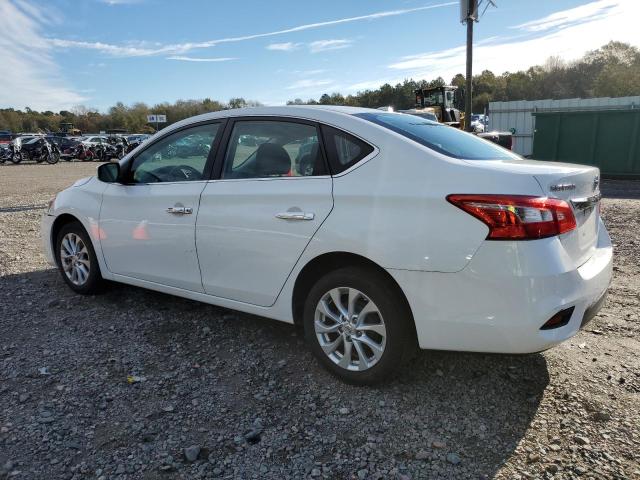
(327,262)
(60,221)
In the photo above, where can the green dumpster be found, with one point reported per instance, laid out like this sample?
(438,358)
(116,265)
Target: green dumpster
(608,139)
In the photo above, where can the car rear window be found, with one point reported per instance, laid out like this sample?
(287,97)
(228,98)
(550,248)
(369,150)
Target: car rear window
(439,137)
(344,150)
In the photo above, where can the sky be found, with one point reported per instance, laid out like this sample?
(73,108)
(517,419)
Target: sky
(58,54)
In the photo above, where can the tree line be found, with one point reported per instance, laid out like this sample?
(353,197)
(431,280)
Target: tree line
(132,118)
(610,71)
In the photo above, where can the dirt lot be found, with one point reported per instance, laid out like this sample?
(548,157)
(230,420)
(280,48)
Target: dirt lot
(250,399)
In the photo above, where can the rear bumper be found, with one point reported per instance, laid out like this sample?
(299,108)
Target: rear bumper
(499,301)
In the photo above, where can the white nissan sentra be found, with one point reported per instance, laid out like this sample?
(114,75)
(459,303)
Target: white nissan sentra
(376,232)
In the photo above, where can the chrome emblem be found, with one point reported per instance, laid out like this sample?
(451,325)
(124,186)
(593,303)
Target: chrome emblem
(596,182)
(561,187)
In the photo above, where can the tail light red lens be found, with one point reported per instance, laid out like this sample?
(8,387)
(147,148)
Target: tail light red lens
(518,217)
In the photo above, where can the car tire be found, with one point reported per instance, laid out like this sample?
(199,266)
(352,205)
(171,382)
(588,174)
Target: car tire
(385,336)
(77,260)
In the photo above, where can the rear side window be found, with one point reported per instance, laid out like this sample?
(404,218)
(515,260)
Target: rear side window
(343,150)
(439,137)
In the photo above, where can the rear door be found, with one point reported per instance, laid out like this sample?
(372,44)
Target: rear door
(271,194)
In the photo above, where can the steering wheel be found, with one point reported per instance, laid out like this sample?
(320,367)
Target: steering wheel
(147,177)
(184,172)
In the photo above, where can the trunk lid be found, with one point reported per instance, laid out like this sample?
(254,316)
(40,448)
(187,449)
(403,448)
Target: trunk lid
(581,188)
(577,184)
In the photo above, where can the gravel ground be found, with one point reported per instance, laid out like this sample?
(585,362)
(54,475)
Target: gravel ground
(221,394)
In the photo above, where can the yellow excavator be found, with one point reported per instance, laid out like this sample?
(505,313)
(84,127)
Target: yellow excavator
(445,102)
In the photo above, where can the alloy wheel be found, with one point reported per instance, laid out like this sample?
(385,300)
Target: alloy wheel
(350,329)
(74,257)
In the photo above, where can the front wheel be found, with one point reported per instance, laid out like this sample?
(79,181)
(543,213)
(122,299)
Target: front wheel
(358,325)
(53,158)
(77,259)
(16,158)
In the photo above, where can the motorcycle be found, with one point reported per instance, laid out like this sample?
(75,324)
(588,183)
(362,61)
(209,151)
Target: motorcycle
(99,152)
(44,151)
(83,153)
(12,152)
(133,145)
(53,153)
(116,148)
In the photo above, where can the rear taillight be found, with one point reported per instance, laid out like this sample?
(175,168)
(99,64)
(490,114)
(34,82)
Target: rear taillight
(518,217)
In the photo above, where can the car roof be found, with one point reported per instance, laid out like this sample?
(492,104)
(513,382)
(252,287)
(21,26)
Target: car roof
(310,112)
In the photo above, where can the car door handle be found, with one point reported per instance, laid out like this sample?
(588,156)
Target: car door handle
(180,210)
(295,216)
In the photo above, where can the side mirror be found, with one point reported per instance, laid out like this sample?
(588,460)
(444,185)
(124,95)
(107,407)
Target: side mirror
(109,172)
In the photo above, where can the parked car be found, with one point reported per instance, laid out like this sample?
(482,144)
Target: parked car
(479,122)
(5,137)
(399,232)
(504,139)
(91,140)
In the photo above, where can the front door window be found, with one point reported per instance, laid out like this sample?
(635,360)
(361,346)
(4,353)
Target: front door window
(179,157)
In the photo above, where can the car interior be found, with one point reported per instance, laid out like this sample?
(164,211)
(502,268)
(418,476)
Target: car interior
(259,149)
(256,149)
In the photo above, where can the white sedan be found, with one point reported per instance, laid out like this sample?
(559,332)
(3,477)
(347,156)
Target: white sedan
(93,140)
(375,232)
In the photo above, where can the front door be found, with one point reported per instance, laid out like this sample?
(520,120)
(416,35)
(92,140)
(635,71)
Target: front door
(148,224)
(258,217)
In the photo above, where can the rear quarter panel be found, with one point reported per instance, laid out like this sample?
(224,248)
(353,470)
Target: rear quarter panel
(393,210)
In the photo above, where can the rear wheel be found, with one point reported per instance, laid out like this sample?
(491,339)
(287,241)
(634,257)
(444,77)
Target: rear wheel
(358,325)
(16,158)
(77,260)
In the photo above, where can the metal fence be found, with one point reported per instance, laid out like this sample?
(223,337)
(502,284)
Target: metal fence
(518,117)
(608,139)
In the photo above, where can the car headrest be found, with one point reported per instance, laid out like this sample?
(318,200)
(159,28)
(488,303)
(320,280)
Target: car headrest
(311,163)
(272,160)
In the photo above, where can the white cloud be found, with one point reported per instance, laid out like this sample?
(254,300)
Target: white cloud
(325,45)
(197,59)
(120,2)
(181,48)
(572,16)
(309,73)
(615,21)
(308,84)
(30,77)
(117,50)
(283,47)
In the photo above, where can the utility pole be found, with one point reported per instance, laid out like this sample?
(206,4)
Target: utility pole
(468,14)
(469,77)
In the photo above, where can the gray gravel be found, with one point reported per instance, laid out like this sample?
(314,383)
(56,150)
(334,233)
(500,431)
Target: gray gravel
(133,384)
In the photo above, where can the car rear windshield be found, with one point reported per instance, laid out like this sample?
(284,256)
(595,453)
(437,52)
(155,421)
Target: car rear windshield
(439,137)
